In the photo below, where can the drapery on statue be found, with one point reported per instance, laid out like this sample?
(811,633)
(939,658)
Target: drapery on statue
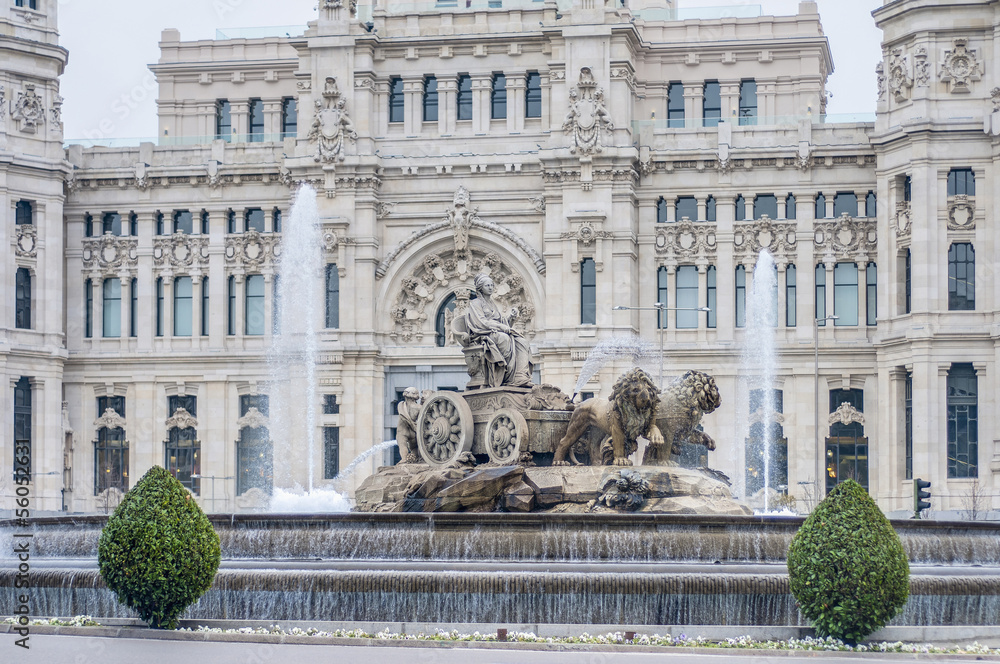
(506,356)
(406,428)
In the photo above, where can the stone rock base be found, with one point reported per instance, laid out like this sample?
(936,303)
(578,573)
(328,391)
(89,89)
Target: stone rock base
(412,487)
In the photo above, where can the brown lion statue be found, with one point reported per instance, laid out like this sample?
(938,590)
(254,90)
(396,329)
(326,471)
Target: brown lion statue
(679,415)
(627,415)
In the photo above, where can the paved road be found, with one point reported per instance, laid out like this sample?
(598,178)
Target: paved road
(84,650)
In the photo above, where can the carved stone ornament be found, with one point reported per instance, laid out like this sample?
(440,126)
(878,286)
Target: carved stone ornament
(414,309)
(181,419)
(847,236)
(725,159)
(27,241)
(110,253)
(994,99)
(880,80)
(460,217)
(961,213)
(777,237)
(921,68)
(142,181)
(687,240)
(28,109)
(254,419)
(383,209)
(587,117)
(961,66)
(537,203)
(56,112)
(903,219)
(252,250)
(757,417)
(846,414)
(110,420)
(586,234)
(331,125)
(180,250)
(900,79)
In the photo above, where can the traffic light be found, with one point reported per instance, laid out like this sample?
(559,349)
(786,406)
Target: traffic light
(921,496)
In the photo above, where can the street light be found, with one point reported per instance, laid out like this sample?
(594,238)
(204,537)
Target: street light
(661,308)
(819,451)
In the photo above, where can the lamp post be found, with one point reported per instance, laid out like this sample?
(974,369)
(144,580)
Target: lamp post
(819,451)
(661,308)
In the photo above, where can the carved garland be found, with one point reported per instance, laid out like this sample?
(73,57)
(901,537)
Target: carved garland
(252,250)
(110,253)
(778,238)
(26,244)
(846,237)
(686,240)
(180,250)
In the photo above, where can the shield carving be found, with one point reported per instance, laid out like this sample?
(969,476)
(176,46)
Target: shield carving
(586,113)
(330,122)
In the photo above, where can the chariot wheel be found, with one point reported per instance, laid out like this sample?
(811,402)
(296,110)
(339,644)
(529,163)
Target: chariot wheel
(444,428)
(505,436)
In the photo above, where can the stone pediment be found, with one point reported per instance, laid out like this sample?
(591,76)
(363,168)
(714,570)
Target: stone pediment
(110,420)
(181,419)
(254,419)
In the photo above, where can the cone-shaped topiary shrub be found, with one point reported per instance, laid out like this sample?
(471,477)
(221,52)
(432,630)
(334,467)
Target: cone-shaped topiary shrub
(158,552)
(847,567)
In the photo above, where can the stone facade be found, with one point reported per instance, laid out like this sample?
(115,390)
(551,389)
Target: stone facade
(606,161)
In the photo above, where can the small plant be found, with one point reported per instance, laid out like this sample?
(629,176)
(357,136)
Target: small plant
(158,552)
(847,567)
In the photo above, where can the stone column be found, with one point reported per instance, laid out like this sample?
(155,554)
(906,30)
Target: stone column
(482,87)
(413,107)
(829,265)
(862,293)
(195,310)
(829,204)
(516,90)
(782,318)
(268,306)
(272,117)
(447,105)
(168,305)
(694,92)
(97,284)
(240,322)
(862,212)
(782,211)
(702,209)
(126,306)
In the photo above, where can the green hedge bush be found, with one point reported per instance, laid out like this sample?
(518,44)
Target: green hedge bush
(847,566)
(158,551)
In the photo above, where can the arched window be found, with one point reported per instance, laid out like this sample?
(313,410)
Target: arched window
(22,298)
(710,209)
(790,206)
(661,211)
(765,204)
(741,208)
(442,324)
(686,206)
(820,206)
(110,449)
(845,202)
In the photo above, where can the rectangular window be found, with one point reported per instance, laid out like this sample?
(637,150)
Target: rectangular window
(710,299)
(533,95)
(741,208)
(661,211)
(160,230)
(133,310)
(183,309)
(204,306)
(159,306)
(765,204)
(332,297)
(330,405)
(847,446)
(498,97)
(790,206)
(710,208)
(231,306)
(111,223)
(276,304)
(871,205)
(29,4)
(231,221)
(741,296)
(204,222)
(22,299)
(662,297)
(430,99)
(961,182)
(907,286)
(871,294)
(289,117)
(276,220)
(748,103)
(256,121)
(88,226)
(464,97)
(907,189)
(23,213)
(588,292)
(223,120)
(790,310)
(254,312)
(963,421)
(712,104)
(331,452)
(687,297)
(820,206)
(22,428)
(845,202)
(112,324)
(908,424)
(675,105)
(183,222)
(253,220)
(845,294)
(88,308)
(113,403)
(110,450)
(182,457)
(396,100)
(686,206)
(133,224)
(821,295)
(961,277)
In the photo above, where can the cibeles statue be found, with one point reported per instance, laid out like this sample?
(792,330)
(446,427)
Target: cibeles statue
(497,354)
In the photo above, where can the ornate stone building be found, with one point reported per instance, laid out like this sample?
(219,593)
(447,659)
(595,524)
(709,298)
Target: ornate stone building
(595,159)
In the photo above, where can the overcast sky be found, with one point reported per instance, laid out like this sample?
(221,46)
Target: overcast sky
(110,92)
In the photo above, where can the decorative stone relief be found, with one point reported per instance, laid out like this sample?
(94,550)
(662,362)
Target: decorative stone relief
(921,68)
(460,217)
(110,253)
(994,99)
(687,240)
(27,241)
(846,414)
(180,250)
(880,80)
(902,220)
(181,419)
(383,209)
(586,234)
(961,66)
(252,250)
(142,182)
(254,419)
(331,124)
(440,274)
(846,236)
(28,110)
(757,417)
(587,117)
(778,238)
(900,78)
(961,213)
(537,203)
(56,112)
(335,245)
(110,420)
(804,158)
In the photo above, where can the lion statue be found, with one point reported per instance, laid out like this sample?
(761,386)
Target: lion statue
(627,415)
(678,416)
